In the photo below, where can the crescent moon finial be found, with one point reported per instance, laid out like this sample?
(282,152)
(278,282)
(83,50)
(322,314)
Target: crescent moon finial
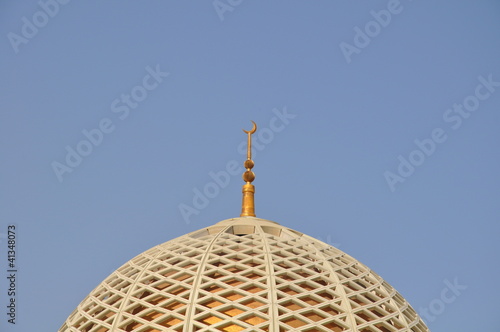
(253,130)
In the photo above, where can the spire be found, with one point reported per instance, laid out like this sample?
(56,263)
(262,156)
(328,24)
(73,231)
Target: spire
(248,206)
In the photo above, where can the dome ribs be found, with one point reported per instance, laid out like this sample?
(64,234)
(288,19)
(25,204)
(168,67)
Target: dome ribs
(244,274)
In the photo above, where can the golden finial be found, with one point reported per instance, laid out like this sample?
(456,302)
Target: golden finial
(248,206)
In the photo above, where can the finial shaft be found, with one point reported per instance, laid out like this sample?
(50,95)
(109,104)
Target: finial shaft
(249,146)
(248,204)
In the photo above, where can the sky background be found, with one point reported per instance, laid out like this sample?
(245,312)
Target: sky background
(338,111)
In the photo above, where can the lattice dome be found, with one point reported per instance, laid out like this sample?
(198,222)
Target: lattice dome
(244,274)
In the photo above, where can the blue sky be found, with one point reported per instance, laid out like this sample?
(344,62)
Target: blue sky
(378,133)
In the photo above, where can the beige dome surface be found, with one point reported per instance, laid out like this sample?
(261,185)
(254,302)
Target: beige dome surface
(244,274)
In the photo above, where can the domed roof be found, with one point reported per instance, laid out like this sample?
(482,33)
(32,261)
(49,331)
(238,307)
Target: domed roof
(244,274)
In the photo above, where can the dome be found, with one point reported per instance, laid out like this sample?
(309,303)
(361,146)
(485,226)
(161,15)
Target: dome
(244,274)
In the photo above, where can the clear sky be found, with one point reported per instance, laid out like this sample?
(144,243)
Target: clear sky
(120,127)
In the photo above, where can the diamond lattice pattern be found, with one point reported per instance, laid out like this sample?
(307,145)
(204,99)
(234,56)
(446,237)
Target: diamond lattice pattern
(244,274)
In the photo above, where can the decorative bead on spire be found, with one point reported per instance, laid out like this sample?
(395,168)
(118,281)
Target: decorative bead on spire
(248,205)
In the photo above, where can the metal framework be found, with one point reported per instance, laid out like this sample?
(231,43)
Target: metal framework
(244,274)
